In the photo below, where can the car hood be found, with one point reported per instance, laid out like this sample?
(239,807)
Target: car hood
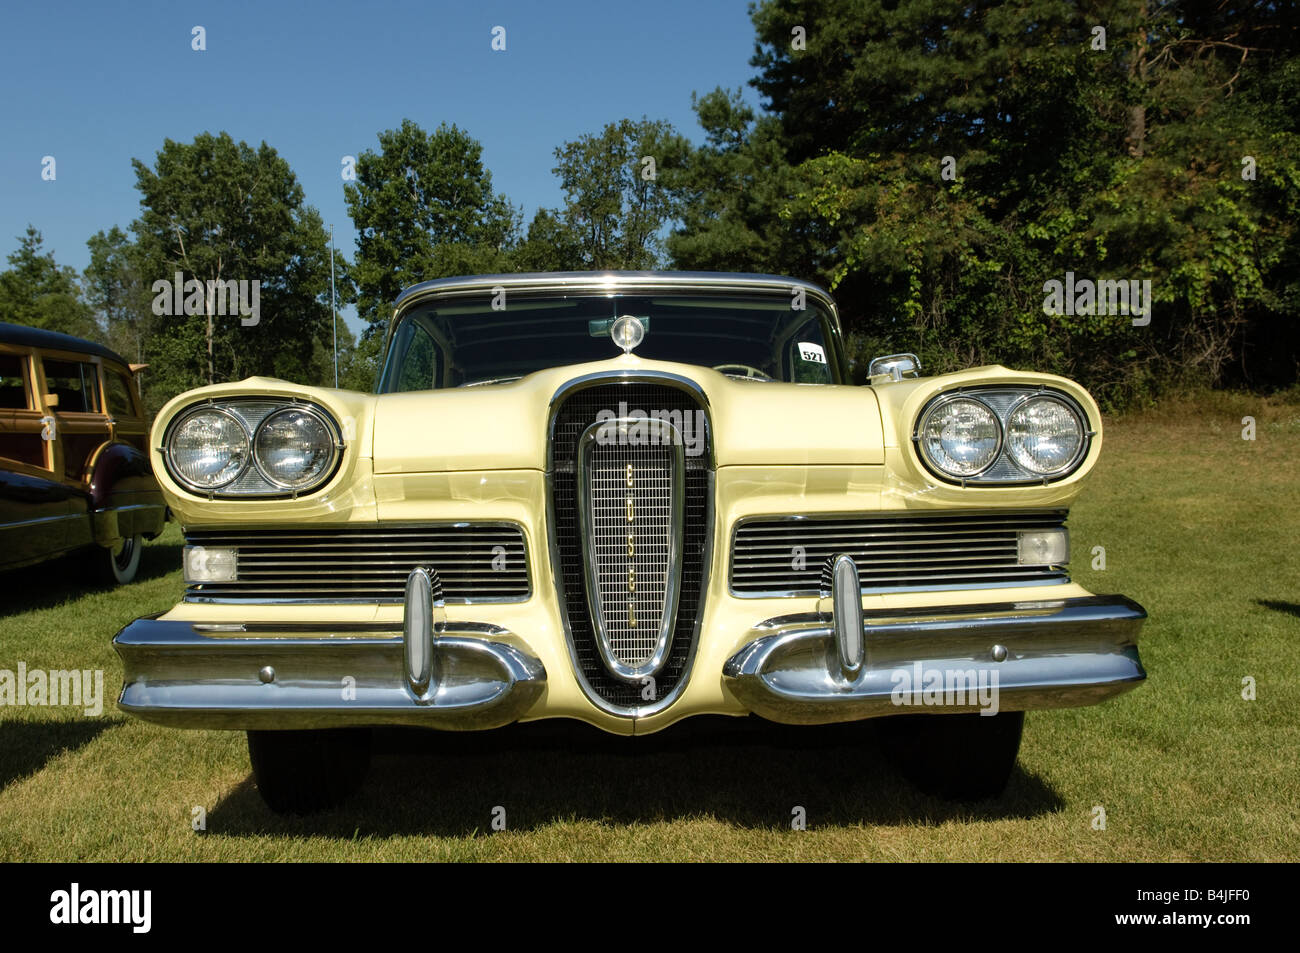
(504,426)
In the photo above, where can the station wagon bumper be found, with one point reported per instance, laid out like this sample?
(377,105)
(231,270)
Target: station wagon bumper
(1009,657)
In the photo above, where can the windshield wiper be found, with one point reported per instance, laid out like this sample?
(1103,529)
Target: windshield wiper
(492,380)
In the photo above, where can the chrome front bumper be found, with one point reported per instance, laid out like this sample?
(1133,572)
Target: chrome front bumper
(188,675)
(808,669)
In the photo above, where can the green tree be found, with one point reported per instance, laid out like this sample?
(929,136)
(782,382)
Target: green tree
(115,290)
(217,210)
(551,244)
(618,196)
(730,194)
(37,291)
(935,162)
(423,207)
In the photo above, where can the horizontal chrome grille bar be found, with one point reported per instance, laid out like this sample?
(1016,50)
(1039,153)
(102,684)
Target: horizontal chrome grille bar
(785,555)
(476,561)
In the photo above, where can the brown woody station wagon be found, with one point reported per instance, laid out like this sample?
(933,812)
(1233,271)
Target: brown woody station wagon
(74,464)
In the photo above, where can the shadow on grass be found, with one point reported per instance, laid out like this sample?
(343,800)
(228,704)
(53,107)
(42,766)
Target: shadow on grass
(27,746)
(746,772)
(53,583)
(1290,608)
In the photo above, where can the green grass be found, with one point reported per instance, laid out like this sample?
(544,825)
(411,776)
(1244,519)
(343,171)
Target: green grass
(1197,524)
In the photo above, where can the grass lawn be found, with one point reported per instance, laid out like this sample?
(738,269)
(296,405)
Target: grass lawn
(1198,524)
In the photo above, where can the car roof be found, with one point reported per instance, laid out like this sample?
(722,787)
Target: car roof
(26,336)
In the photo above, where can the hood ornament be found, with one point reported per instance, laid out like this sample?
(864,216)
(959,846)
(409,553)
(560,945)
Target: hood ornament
(627,332)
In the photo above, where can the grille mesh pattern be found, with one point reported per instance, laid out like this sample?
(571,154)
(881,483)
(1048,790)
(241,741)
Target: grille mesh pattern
(909,549)
(370,564)
(633,636)
(574,416)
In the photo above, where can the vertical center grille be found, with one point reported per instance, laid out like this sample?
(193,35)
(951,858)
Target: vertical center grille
(590,499)
(630,484)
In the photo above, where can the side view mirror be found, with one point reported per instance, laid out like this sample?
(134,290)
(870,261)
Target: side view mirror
(52,401)
(893,367)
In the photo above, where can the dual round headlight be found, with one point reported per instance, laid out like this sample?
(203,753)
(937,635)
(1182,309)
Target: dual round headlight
(1036,436)
(1044,435)
(291,449)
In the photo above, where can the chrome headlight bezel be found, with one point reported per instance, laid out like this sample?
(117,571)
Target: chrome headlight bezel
(249,413)
(937,406)
(173,468)
(1074,410)
(330,430)
(1004,400)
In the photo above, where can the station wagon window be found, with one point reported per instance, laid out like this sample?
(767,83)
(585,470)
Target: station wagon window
(118,394)
(13,382)
(76,385)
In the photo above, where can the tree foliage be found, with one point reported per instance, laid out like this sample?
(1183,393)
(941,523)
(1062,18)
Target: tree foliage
(37,291)
(1113,157)
(614,205)
(424,207)
(216,210)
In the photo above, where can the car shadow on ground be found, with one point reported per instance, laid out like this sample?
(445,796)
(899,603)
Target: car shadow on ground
(744,772)
(1289,608)
(27,746)
(53,583)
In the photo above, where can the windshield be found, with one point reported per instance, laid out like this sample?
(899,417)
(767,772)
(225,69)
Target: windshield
(458,343)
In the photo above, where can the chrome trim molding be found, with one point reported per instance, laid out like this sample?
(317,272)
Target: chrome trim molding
(840,583)
(190,675)
(597,434)
(1056,654)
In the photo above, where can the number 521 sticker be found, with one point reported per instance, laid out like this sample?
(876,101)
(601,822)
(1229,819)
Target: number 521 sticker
(814,353)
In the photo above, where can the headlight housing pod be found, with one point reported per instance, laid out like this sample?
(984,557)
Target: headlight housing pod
(998,436)
(252,447)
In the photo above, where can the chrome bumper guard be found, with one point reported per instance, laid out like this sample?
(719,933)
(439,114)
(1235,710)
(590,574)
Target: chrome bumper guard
(809,669)
(423,672)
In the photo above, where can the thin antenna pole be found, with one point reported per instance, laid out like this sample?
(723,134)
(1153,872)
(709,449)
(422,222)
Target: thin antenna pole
(334,311)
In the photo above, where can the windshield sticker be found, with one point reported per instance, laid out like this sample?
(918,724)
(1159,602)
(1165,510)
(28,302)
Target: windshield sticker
(814,353)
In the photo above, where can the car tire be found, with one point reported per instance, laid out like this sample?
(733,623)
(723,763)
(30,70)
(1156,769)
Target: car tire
(960,757)
(301,772)
(117,568)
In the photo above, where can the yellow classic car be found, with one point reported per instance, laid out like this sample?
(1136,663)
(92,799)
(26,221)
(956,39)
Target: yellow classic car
(627,498)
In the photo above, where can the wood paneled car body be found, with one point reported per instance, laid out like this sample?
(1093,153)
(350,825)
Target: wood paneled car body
(628,499)
(74,461)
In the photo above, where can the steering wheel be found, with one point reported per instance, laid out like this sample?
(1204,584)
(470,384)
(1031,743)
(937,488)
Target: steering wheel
(742,370)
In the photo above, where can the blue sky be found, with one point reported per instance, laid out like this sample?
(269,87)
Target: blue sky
(98,84)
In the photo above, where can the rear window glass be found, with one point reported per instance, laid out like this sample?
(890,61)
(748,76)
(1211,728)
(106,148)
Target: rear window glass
(13,383)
